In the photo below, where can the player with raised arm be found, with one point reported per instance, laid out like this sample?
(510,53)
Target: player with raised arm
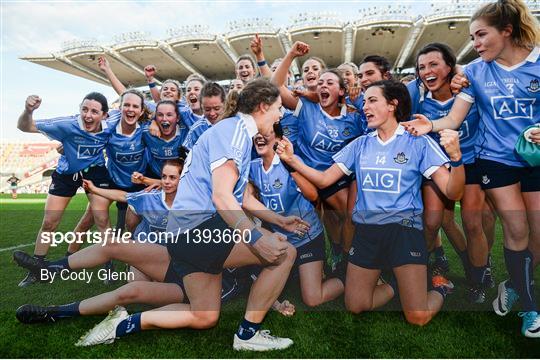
(504,86)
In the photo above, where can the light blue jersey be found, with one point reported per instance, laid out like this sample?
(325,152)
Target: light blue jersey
(389,176)
(280,194)
(229,139)
(433,109)
(153,211)
(320,135)
(125,154)
(158,150)
(81,148)
(195,132)
(289,124)
(187,116)
(508,100)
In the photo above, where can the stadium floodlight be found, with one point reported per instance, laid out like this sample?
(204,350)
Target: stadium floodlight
(132,36)
(317,19)
(189,32)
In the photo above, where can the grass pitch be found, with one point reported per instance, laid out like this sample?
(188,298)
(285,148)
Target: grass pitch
(462,330)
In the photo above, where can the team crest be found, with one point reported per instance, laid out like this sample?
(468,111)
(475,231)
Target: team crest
(407,222)
(346,132)
(401,158)
(277,184)
(286,131)
(485,180)
(534,86)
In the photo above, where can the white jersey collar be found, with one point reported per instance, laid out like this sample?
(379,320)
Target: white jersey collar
(251,126)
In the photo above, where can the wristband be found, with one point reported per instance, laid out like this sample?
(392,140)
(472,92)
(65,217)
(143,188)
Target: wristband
(261,63)
(242,218)
(254,236)
(456,163)
(152,85)
(288,167)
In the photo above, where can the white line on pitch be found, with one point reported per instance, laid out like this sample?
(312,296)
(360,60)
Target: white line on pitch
(15,247)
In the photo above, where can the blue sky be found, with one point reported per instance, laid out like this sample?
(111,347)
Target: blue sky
(40,27)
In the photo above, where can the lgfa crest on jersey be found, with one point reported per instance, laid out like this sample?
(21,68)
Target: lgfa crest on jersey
(346,131)
(277,184)
(401,158)
(534,86)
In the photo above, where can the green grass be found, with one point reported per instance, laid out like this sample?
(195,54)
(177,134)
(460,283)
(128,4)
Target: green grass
(461,330)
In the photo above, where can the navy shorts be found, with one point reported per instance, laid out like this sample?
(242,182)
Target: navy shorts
(66,185)
(495,175)
(172,277)
(342,183)
(311,251)
(190,255)
(387,246)
(472,174)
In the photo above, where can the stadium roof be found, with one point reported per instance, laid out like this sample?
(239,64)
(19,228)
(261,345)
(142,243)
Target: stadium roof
(390,31)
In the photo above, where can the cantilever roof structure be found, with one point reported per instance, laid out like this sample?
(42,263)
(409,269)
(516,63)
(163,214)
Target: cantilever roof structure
(390,31)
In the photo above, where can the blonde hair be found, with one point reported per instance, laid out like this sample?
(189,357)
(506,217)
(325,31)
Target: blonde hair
(514,13)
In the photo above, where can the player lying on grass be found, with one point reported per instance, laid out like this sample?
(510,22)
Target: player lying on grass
(200,264)
(152,208)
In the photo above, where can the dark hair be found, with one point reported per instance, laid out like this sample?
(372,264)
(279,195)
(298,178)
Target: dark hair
(168,102)
(145,112)
(340,80)
(100,98)
(255,92)
(514,13)
(447,55)
(395,90)
(246,57)
(212,89)
(174,162)
(381,62)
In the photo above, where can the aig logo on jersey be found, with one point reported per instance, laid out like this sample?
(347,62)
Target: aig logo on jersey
(129,157)
(509,107)
(88,151)
(326,144)
(273,202)
(381,180)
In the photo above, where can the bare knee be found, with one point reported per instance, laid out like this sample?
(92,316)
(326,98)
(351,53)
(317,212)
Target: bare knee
(205,319)
(129,293)
(312,299)
(432,223)
(356,306)
(49,224)
(419,318)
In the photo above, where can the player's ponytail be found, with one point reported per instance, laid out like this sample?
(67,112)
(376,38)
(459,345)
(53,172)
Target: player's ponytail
(515,14)
(231,105)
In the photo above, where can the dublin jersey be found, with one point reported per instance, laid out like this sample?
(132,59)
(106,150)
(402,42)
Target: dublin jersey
(81,148)
(280,194)
(320,135)
(433,109)
(508,100)
(389,176)
(187,117)
(158,150)
(153,211)
(195,132)
(229,139)
(289,124)
(125,154)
